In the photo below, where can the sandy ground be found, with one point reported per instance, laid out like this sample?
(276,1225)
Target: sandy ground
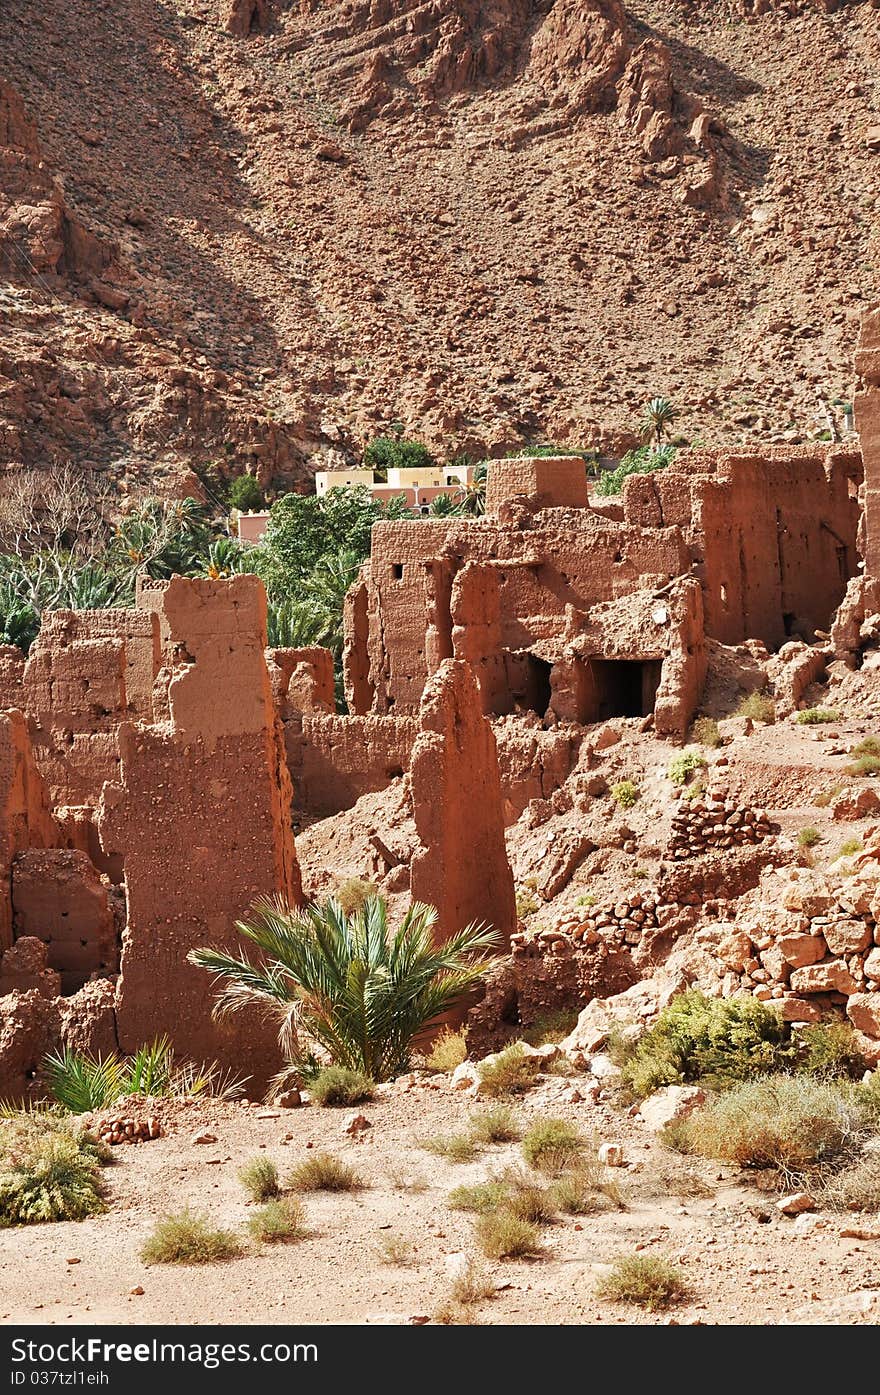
(743,1261)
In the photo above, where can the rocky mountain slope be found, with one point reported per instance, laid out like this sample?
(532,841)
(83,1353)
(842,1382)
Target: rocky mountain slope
(252,233)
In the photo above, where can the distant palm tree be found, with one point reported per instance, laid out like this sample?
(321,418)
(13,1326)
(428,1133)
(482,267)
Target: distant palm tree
(657,418)
(444,506)
(348,984)
(224,557)
(472,496)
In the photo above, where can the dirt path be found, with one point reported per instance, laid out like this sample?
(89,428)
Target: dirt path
(741,1269)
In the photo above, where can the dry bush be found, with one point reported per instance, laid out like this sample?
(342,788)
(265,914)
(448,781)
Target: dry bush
(649,1282)
(857,1188)
(259,1177)
(512,1072)
(279,1222)
(705,731)
(526,1199)
(794,1123)
(480,1197)
(586,1187)
(501,1235)
(759,707)
(551,1145)
(354,893)
(455,1147)
(394,1249)
(469,1288)
(335,1085)
(496,1125)
(186,1238)
(448,1050)
(322,1172)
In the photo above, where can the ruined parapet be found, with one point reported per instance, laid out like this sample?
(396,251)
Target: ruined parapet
(475,609)
(25,818)
(87,672)
(359,687)
(201,817)
(461,866)
(553,482)
(772,533)
(301,680)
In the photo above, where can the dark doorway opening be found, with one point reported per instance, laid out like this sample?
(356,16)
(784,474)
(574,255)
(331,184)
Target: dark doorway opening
(528,684)
(623,687)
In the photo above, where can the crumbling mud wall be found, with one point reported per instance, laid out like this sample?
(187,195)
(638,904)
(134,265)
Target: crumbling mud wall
(200,816)
(25,816)
(334,760)
(563,558)
(461,866)
(87,672)
(772,534)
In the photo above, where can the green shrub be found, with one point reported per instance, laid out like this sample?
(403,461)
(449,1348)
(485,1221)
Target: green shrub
(817,716)
(391,453)
(705,730)
(642,461)
(588,900)
(649,1282)
(245,494)
(682,766)
(337,1086)
(718,1040)
(259,1177)
(526,902)
(625,793)
(48,1172)
(448,1050)
(550,1144)
(870,746)
(512,1071)
(455,1147)
(759,707)
(793,1123)
(849,848)
(830,1049)
(186,1238)
(279,1222)
(864,765)
(585,1188)
(503,1236)
(480,1197)
(809,837)
(322,1172)
(496,1125)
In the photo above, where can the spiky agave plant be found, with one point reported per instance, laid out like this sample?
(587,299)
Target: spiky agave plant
(348,984)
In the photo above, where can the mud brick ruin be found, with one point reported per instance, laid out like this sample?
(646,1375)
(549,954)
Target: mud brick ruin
(154,762)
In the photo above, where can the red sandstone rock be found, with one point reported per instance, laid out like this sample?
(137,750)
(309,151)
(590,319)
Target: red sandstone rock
(863,1010)
(802,950)
(831,977)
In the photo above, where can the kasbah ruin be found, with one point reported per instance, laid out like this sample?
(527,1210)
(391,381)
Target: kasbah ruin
(634,734)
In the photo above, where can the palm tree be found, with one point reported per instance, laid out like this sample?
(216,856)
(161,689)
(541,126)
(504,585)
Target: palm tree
(348,985)
(224,557)
(444,506)
(657,418)
(472,497)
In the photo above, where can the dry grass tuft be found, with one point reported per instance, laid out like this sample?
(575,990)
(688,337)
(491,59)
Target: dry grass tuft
(259,1177)
(187,1238)
(279,1222)
(448,1050)
(648,1282)
(322,1172)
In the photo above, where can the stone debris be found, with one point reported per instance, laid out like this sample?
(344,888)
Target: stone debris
(128,1130)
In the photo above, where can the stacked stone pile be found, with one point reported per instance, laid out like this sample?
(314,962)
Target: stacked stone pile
(114,1131)
(808,946)
(704,825)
